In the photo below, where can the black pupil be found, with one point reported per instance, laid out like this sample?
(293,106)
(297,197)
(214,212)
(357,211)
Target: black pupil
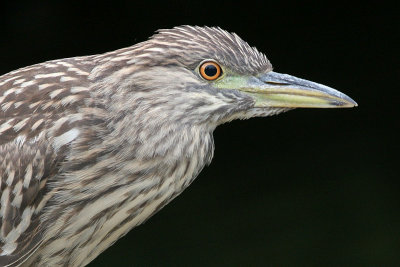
(210,70)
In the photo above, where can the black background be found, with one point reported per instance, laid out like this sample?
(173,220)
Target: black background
(305,188)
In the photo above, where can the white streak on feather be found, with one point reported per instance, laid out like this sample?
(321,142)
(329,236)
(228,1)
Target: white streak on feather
(9,91)
(20,124)
(45,85)
(155,49)
(17,188)
(69,100)
(16,232)
(8,248)
(6,106)
(65,138)
(78,89)
(9,79)
(28,175)
(17,201)
(49,75)
(65,64)
(120,58)
(19,103)
(67,79)
(54,93)
(78,71)
(28,83)
(50,65)
(7,125)
(5,198)
(37,124)
(11,175)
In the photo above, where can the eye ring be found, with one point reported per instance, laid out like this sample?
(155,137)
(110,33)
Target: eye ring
(210,70)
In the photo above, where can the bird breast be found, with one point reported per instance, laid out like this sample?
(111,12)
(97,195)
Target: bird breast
(128,194)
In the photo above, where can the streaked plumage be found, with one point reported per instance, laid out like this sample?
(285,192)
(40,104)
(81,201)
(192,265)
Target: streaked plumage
(91,147)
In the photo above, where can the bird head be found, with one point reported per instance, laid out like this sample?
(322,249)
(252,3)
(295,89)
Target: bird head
(208,74)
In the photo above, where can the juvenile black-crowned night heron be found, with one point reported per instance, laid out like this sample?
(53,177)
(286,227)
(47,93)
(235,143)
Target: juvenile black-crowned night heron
(92,146)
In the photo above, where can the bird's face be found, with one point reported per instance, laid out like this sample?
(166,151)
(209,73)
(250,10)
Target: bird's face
(237,78)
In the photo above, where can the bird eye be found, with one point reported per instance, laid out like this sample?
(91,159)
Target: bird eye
(210,70)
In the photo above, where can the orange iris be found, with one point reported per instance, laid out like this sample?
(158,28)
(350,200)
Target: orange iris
(210,70)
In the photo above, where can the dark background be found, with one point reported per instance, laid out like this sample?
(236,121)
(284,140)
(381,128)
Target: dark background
(305,188)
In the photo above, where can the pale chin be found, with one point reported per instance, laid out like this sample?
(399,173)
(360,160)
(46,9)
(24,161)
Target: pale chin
(264,112)
(255,112)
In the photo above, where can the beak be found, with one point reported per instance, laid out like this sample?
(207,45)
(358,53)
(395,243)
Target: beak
(281,90)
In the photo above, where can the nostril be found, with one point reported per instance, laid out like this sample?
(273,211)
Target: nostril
(276,83)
